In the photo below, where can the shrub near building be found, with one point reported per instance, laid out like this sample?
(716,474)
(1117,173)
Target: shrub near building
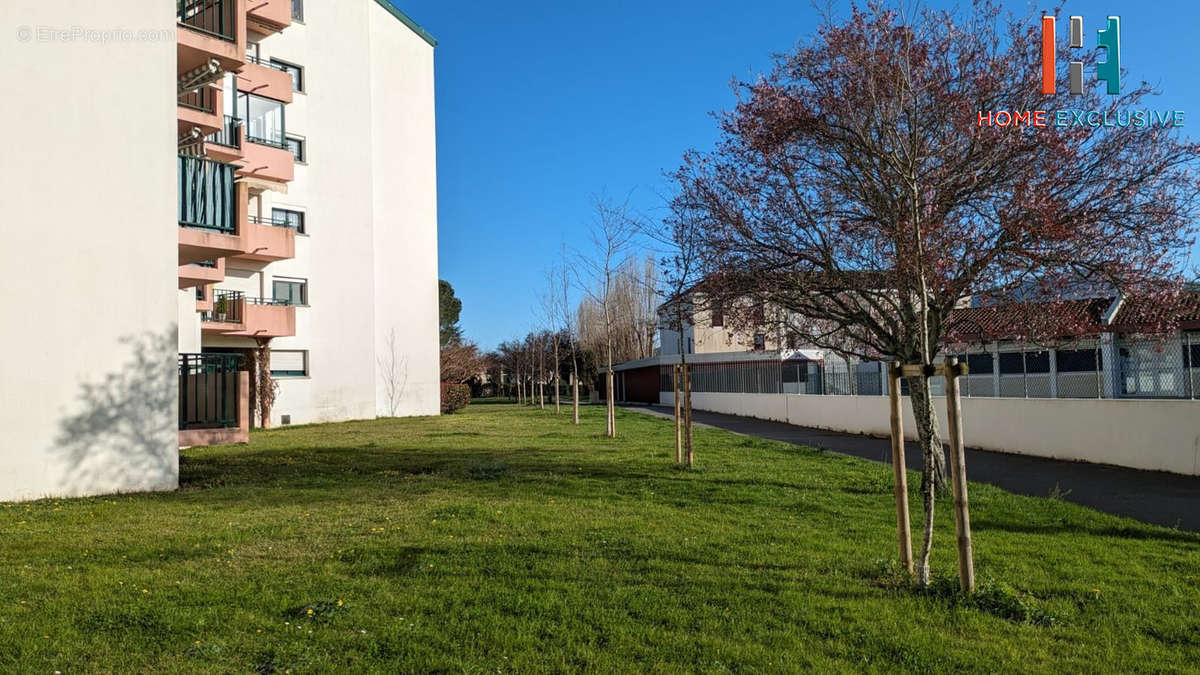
(455,397)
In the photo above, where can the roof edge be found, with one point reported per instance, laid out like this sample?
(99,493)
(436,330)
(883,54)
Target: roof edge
(404,19)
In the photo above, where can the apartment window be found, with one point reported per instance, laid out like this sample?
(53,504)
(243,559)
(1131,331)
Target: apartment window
(289,218)
(718,315)
(298,10)
(289,363)
(264,119)
(292,69)
(290,291)
(297,145)
(252,53)
(760,342)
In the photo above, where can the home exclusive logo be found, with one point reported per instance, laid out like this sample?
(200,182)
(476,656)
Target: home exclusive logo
(1108,38)
(1107,71)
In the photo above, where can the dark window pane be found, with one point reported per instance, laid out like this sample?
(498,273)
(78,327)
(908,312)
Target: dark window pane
(298,10)
(979,364)
(1037,362)
(1076,360)
(1011,363)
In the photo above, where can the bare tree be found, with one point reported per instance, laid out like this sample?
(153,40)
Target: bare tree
(865,188)
(612,234)
(565,317)
(682,264)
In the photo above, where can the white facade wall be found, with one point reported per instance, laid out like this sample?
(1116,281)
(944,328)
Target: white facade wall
(369,194)
(88,225)
(1161,435)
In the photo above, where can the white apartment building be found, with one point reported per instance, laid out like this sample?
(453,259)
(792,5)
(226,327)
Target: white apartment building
(193,180)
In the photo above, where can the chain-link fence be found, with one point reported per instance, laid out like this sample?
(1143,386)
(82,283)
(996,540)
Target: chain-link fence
(1163,368)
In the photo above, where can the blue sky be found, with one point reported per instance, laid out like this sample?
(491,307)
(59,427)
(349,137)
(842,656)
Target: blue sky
(541,105)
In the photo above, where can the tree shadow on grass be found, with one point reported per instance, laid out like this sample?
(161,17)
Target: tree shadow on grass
(124,436)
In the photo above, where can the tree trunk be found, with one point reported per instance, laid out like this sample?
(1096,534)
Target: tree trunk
(557,382)
(611,403)
(933,464)
(678,416)
(575,394)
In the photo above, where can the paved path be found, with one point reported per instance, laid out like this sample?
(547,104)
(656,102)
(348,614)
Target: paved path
(1149,496)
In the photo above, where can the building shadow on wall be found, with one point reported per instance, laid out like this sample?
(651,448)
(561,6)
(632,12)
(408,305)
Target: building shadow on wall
(124,435)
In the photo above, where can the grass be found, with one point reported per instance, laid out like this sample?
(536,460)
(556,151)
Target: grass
(506,539)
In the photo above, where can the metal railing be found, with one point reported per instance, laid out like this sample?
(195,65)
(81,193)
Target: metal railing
(214,17)
(264,220)
(203,99)
(208,391)
(266,63)
(254,134)
(228,135)
(206,194)
(1150,368)
(228,307)
(268,301)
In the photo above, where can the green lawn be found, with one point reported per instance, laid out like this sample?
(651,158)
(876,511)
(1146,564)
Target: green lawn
(506,539)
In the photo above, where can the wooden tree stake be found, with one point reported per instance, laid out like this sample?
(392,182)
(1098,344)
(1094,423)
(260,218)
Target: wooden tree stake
(678,418)
(958,468)
(903,528)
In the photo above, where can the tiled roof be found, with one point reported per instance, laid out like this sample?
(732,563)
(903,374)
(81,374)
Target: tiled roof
(1062,318)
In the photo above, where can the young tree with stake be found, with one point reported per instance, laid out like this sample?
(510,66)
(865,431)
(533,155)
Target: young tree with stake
(855,188)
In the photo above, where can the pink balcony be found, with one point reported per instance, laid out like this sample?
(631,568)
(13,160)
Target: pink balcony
(268,241)
(262,78)
(191,276)
(235,315)
(267,162)
(267,17)
(211,29)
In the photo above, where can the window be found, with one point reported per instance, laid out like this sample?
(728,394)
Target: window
(979,364)
(252,51)
(295,71)
(760,314)
(1191,353)
(298,10)
(290,291)
(1037,362)
(289,218)
(718,315)
(264,120)
(1078,360)
(690,346)
(760,342)
(1011,363)
(296,145)
(289,363)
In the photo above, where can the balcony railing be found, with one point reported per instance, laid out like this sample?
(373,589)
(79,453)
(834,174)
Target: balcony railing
(208,391)
(206,194)
(203,99)
(215,17)
(228,135)
(266,63)
(268,301)
(228,307)
(276,139)
(277,222)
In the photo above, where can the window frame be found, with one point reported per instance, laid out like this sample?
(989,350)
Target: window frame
(302,143)
(302,228)
(302,283)
(292,374)
(299,81)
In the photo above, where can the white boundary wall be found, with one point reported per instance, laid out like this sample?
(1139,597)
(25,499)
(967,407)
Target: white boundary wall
(1153,435)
